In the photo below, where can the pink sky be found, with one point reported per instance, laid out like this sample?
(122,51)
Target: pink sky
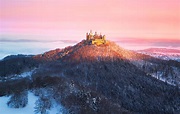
(71,19)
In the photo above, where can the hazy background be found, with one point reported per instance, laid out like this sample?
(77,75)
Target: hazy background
(9,47)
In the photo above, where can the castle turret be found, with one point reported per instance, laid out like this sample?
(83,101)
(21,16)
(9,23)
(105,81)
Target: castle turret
(104,37)
(87,36)
(96,35)
(90,35)
(100,36)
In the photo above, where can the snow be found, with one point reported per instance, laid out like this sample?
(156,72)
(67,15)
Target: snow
(56,109)
(25,74)
(29,109)
(164,56)
(22,75)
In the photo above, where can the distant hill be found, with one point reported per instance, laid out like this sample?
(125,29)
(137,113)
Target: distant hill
(160,50)
(162,53)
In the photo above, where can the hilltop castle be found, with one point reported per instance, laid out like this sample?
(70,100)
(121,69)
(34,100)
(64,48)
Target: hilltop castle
(95,38)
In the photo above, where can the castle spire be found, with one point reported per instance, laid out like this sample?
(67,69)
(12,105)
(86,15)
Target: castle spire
(90,35)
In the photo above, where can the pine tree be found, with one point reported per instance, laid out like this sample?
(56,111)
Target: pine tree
(42,104)
(18,100)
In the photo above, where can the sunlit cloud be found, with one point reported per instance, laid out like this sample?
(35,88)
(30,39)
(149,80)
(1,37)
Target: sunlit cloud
(141,43)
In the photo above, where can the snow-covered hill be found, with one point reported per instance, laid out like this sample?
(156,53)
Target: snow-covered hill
(87,78)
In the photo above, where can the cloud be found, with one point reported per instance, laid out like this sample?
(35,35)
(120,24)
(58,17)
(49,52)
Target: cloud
(69,41)
(167,43)
(18,40)
(28,40)
(173,43)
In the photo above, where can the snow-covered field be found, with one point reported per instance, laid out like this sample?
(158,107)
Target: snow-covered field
(29,109)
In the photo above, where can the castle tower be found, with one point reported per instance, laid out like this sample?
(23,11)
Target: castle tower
(90,35)
(100,36)
(104,37)
(87,36)
(95,35)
